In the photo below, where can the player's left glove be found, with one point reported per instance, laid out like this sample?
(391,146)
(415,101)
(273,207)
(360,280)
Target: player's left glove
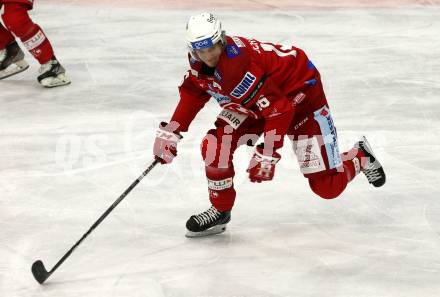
(262,167)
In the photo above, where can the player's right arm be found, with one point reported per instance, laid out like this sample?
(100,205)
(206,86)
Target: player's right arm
(192,100)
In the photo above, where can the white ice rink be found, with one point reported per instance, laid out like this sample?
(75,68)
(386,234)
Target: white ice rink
(66,154)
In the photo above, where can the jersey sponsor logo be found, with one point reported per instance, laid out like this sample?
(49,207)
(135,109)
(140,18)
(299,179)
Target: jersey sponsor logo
(232,51)
(205,43)
(328,132)
(221,99)
(238,41)
(244,86)
(255,91)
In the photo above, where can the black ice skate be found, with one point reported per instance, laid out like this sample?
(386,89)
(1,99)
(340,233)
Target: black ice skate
(12,60)
(208,222)
(372,169)
(52,74)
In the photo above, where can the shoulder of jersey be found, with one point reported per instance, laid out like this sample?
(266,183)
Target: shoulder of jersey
(235,47)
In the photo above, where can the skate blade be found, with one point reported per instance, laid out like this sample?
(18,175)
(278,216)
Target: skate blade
(52,82)
(211,231)
(14,68)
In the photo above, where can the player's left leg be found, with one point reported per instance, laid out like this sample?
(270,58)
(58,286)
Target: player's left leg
(329,172)
(17,21)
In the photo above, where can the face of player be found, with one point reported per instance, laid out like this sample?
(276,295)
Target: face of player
(210,56)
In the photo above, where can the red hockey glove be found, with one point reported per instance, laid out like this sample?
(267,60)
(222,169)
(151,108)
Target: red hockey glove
(165,145)
(262,167)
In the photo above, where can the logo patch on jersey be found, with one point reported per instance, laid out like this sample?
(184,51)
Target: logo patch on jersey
(244,86)
(238,41)
(232,51)
(221,99)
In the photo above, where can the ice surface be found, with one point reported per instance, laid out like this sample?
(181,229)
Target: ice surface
(66,154)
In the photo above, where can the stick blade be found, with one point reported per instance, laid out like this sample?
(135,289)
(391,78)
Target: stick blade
(39,271)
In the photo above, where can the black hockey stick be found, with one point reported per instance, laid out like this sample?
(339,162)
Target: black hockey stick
(39,271)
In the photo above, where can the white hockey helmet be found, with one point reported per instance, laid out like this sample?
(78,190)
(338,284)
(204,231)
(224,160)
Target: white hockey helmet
(203,31)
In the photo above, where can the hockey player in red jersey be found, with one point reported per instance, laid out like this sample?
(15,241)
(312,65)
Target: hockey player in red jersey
(267,90)
(17,23)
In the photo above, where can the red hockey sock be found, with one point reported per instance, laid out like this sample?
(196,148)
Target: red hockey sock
(221,188)
(352,162)
(38,45)
(6,37)
(222,200)
(17,20)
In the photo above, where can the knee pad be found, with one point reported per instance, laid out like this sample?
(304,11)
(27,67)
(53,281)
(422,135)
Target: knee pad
(329,186)
(17,20)
(209,143)
(217,148)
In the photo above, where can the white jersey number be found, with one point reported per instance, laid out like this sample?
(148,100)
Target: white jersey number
(280,50)
(263,103)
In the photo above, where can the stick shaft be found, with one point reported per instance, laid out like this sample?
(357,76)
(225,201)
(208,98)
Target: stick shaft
(105,214)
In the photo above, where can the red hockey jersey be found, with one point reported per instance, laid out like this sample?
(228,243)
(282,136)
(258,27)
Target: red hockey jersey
(252,77)
(30,3)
